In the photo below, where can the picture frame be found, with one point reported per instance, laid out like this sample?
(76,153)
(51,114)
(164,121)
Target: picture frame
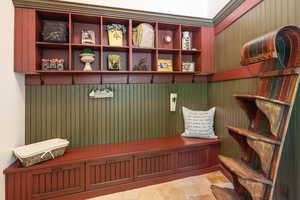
(114,62)
(88,37)
(164,65)
(188,67)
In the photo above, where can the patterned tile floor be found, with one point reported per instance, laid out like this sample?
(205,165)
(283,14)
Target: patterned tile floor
(191,188)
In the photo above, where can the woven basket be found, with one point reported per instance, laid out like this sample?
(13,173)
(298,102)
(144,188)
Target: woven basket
(41,151)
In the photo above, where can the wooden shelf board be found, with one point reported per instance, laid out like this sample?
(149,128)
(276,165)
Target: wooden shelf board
(224,193)
(53,44)
(240,169)
(141,49)
(115,48)
(253,97)
(115,72)
(164,50)
(253,135)
(86,45)
(183,51)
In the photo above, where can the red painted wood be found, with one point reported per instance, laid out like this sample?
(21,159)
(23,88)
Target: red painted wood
(95,180)
(236,14)
(137,184)
(207,48)
(101,169)
(239,73)
(25,36)
(114,78)
(57,79)
(33,79)
(183,78)
(162,78)
(87,79)
(139,78)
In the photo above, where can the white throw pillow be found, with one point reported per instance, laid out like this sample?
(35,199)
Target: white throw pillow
(199,124)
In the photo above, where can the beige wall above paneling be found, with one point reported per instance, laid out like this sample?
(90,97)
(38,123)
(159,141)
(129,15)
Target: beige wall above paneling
(265,17)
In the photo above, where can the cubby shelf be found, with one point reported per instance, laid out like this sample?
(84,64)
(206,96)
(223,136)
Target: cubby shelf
(130,55)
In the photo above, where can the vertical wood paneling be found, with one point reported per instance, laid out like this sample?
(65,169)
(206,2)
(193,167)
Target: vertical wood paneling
(137,111)
(228,111)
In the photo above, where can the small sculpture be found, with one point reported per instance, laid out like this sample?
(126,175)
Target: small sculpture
(142,65)
(88,37)
(87,56)
(186,40)
(53,64)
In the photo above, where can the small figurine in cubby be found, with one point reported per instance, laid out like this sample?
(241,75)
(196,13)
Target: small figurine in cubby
(186,40)
(60,64)
(45,64)
(142,65)
(88,37)
(114,62)
(53,64)
(115,34)
(87,56)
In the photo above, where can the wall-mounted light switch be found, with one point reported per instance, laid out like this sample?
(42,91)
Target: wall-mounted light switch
(173,101)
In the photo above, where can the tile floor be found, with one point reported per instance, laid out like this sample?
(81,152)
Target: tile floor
(191,188)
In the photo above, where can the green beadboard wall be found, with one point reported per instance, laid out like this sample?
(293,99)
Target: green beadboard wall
(228,110)
(136,112)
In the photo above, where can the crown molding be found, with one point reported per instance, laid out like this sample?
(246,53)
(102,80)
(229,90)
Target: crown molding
(110,11)
(58,5)
(227,10)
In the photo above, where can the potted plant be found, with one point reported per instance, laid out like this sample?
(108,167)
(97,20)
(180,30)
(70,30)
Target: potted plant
(87,56)
(115,34)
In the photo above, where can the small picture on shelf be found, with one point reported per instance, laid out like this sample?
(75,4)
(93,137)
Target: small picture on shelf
(188,67)
(54,31)
(88,37)
(115,34)
(164,65)
(114,62)
(53,64)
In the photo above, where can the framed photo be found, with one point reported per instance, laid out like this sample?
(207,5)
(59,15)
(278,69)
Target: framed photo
(114,62)
(164,65)
(188,67)
(88,37)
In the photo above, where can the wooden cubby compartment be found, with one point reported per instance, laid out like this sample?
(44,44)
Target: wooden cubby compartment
(192,57)
(48,49)
(130,55)
(149,54)
(171,55)
(173,30)
(107,21)
(122,52)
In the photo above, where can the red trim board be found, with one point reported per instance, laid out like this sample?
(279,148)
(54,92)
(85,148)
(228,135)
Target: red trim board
(236,14)
(239,73)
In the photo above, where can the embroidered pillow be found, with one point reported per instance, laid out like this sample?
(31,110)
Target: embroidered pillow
(199,124)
